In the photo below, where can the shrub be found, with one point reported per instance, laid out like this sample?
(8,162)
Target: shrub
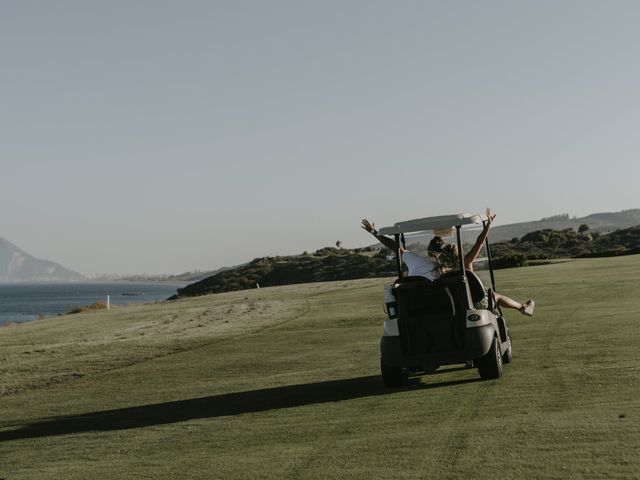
(100,305)
(510,261)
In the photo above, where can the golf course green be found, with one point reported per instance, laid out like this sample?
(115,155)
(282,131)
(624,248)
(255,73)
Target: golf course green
(283,383)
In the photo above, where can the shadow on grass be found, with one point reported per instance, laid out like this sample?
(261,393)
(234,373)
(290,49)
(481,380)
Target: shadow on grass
(218,406)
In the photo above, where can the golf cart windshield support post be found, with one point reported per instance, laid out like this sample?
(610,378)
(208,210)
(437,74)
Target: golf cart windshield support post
(460,253)
(462,269)
(493,280)
(398,259)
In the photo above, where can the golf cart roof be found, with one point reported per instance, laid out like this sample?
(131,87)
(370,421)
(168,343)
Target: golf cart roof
(442,222)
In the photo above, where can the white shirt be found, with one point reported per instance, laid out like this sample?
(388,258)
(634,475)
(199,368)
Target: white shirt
(420,266)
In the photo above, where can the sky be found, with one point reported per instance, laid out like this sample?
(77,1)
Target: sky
(154,136)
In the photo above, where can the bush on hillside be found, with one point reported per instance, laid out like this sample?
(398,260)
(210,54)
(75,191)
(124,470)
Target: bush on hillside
(551,244)
(100,305)
(510,261)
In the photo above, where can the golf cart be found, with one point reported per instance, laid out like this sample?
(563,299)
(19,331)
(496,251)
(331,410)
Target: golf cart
(435,323)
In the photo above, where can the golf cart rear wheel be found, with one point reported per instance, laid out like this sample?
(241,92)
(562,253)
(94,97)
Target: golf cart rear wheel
(490,366)
(393,376)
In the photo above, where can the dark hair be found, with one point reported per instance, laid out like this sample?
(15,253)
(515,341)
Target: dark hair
(446,254)
(435,246)
(448,257)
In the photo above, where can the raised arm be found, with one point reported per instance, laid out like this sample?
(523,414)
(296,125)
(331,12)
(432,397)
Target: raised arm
(387,242)
(473,253)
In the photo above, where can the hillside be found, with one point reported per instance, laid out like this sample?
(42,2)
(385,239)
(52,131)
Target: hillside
(346,264)
(16,265)
(597,222)
(553,244)
(327,264)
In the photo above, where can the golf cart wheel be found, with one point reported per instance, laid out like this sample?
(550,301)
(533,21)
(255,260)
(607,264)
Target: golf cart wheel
(508,355)
(393,376)
(490,366)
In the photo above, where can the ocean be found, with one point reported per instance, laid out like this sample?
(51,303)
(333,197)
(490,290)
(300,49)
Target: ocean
(25,302)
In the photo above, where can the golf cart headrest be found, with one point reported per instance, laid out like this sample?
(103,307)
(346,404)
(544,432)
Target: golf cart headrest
(476,288)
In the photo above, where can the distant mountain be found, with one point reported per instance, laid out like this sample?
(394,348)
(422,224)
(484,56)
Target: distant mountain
(16,265)
(597,222)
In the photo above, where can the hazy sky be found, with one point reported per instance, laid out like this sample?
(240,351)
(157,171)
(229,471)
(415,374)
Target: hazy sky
(164,136)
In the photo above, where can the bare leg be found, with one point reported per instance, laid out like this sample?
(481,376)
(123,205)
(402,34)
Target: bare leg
(507,302)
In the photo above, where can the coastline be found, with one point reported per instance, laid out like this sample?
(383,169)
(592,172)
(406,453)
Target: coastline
(25,302)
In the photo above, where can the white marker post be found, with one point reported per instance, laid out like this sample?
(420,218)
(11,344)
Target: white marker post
(108,302)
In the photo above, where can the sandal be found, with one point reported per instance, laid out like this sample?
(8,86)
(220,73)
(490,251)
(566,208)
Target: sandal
(527,308)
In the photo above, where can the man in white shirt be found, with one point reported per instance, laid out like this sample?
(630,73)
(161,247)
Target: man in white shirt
(421,266)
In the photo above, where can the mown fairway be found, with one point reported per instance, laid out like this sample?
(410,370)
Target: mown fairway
(283,383)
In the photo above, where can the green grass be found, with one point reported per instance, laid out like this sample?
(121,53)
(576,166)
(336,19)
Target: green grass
(288,387)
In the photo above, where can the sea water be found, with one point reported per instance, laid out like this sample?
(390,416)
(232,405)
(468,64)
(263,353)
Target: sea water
(25,302)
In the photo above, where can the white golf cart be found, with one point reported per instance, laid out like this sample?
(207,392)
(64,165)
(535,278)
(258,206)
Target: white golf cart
(435,323)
